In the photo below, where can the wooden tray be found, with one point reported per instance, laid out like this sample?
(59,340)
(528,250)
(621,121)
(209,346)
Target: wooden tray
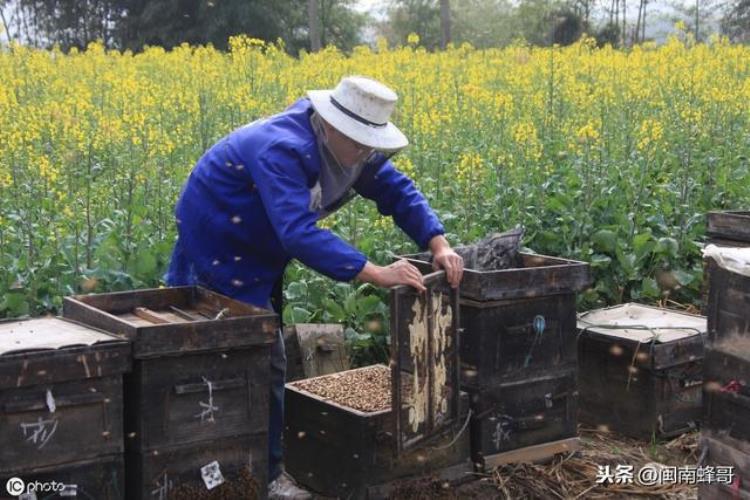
(175,320)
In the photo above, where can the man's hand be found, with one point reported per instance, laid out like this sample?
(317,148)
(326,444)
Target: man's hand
(444,257)
(398,273)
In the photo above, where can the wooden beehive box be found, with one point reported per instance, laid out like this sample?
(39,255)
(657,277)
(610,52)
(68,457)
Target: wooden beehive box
(540,276)
(200,377)
(728,299)
(181,472)
(343,452)
(641,370)
(60,397)
(729,228)
(102,478)
(338,450)
(727,389)
(525,419)
(721,451)
(724,229)
(517,322)
(518,356)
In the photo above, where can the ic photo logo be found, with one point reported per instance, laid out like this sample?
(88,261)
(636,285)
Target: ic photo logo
(15,486)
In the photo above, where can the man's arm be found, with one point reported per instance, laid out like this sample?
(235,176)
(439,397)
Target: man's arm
(282,185)
(395,195)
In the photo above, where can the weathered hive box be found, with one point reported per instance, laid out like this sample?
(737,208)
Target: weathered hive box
(196,404)
(343,437)
(724,229)
(641,370)
(517,322)
(348,453)
(729,460)
(518,356)
(727,390)
(729,228)
(525,420)
(61,404)
(728,299)
(102,478)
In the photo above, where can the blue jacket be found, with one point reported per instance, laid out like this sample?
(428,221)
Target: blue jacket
(244,213)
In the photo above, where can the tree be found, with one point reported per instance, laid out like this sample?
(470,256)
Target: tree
(568,27)
(608,34)
(412,16)
(736,22)
(131,24)
(340,24)
(699,16)
(639,34)
(445,23)
(583,9)
(4,20)
(314,23)
(484,23)
(168,23)
(541,21)
(66,23)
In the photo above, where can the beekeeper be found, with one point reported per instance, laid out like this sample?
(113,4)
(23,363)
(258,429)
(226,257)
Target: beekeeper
(252,202)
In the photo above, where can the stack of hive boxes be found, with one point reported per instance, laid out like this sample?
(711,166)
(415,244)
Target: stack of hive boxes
(518,357)
(196,402)
(725,438)
(61,403)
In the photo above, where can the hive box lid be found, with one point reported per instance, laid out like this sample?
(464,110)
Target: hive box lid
(49,350)
(735,260)
(642,324)
(175,320)
(47,333)
(540,275)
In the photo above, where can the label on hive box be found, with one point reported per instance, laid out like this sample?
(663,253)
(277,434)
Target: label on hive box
(211,474)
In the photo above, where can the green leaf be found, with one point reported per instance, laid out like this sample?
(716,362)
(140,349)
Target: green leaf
(684,278)
(667,247)
(15,304)
(368,305)
(627,261)
(350,304)
(293,314)
(605,240)
(334,309)
(599,260)
(145,264)
(643,243)
(296,290)
(300,315)
(649,288)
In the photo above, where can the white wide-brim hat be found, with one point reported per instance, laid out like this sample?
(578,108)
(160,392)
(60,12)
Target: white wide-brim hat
(360,108)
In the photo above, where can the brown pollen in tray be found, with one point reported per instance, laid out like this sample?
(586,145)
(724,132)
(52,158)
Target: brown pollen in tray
(365,389)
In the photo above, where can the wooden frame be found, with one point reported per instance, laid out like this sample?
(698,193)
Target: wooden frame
(243,325)
(730,225)
(403,362)
(533,454)
(541,275)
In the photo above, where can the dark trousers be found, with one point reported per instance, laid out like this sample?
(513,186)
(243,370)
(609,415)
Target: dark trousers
(276,406)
